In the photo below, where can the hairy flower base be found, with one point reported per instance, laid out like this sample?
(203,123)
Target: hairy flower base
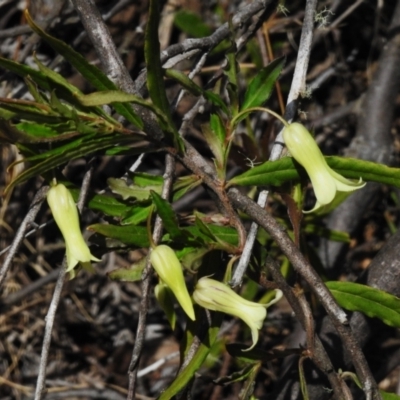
(169,269)
(65,214)
(326,182)
(217,296)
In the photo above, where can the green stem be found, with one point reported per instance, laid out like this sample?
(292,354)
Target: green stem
(264,109)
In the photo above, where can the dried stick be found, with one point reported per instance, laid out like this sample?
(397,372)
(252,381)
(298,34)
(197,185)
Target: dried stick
(298,85)
(51,313)
(243,16)
(20,235)
(146,278)
(302,266)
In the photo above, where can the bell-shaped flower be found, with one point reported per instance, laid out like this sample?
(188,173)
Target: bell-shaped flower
(169,269)
(217,296)
(326,182)
(65,213)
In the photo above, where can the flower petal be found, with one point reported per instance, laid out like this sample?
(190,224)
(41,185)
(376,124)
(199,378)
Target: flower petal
(65,214)
(169,269)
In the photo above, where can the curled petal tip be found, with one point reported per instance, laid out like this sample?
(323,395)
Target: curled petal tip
(217,296)
(326,182)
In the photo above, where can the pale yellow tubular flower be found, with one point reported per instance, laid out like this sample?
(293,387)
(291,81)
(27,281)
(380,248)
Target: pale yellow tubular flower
(216,296)
(169,269)
(326,182)
(65,213)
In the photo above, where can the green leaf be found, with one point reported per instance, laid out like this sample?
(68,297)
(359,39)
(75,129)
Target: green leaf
(32,133)
(42,131)
(131,274)
(94,75)
(64,154)
(285,169)
(261,86)
(372,302)
(28,110)
(167,214)
(192,24)
(57,78)
(137,213)
(223,233)
(185,184)
(144,179)
(247,393)
(115,97)
(214,134)
(223,238)
(105,204)
(34,91)
(270,173)
(130,235)
(218,127)
(120,187)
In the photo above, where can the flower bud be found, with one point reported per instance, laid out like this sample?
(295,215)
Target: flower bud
(217,296)
(169,269)
(65,214)
(326,182)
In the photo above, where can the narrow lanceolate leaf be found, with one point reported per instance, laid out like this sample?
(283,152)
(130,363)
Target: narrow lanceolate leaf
(130,235)
(277,172)
(370,301)
(261,86)
(167,214)
(155,76)
(64,154)
(96,77)
(116,97)
(105,204)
